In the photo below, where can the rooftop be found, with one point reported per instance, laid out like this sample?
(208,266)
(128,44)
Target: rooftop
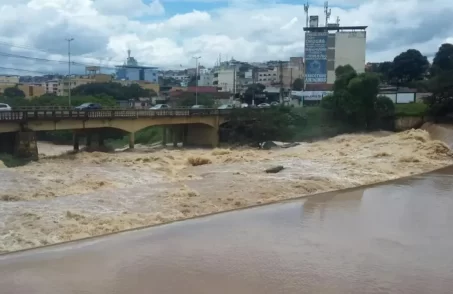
(136,66)
(335,28)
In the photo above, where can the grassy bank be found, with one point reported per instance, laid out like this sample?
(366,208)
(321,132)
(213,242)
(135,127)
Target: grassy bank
(146,136)
(411,109)
(318,124)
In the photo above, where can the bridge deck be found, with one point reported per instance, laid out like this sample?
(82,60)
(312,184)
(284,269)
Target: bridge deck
(25,115)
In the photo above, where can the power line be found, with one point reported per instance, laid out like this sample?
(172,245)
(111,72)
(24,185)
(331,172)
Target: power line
(27,70)
(2,43)
(50,60)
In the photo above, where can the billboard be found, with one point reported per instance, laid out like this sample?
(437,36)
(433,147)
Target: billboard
(316,57)
(314,21)
(315,95)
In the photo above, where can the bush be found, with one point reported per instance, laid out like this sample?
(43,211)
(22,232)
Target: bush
(255,125)
(384,107)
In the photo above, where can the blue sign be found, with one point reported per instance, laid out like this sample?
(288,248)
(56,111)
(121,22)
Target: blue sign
(316,57)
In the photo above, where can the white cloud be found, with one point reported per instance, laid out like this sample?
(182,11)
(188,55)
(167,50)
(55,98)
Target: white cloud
(246,30)
(130,7)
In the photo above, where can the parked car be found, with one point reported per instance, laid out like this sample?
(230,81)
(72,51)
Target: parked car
(225,106)
(160,106)
(275,103)
(89,106)
(198,106)
(5,107)
(264,105)
(244,105)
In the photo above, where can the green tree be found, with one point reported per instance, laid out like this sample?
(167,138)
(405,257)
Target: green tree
(114,90)
(384,69)
(440,102)
(13,92)
(354,97)
(344,69)
(298,84)
(384,107)
(443,60)
(409,66)
(248,125)
(255,90)
(190,99)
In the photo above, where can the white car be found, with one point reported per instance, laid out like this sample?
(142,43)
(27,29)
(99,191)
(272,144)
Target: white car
(5,107)
(160,106)
(264,105)
(225,106)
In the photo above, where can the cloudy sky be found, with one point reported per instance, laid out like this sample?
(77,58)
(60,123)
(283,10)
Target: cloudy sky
(168,33)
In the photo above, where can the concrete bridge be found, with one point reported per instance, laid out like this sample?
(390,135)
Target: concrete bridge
(191,126)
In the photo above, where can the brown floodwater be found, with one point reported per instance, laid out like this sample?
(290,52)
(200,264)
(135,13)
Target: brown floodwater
(395,237)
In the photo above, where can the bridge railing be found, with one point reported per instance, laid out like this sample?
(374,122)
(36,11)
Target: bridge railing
(25,115)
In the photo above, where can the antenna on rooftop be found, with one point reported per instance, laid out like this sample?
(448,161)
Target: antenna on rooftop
(327,12)
(306,6)
(338,20)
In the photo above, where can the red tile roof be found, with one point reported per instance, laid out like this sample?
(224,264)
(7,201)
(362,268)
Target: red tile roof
(202,89)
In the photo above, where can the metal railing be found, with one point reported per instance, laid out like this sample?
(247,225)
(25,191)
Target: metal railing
(49,114)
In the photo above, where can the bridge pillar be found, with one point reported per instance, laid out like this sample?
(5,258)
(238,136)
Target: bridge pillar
(131,140)
(26,145)
(202,135)
(164,136)
(7,142)
(76,141)
(185,130)
(100,140)
(89,139)
(174,134)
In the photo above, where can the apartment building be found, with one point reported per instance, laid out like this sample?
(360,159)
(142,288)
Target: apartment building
(75,81)
(9,80)
(32,90)
(268,76)
(51,86)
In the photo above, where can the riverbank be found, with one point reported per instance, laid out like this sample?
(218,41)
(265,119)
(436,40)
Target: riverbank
(87,194)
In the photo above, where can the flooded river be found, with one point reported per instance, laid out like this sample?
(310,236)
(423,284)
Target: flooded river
(70,197)
(391,238)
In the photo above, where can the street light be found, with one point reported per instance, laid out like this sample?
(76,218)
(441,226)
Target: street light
(196,79)
(69,69)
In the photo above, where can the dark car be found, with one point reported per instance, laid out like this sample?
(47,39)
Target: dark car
(89,106)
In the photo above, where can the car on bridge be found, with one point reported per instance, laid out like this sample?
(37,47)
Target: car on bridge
(198,106)
(89,106)
(160,106)
(225,106)
(5,107)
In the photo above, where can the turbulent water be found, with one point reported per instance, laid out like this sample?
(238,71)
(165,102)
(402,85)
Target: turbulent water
(76,196)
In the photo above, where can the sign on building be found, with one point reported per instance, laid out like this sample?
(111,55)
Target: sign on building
(314,21)
(316,57)
(314,95)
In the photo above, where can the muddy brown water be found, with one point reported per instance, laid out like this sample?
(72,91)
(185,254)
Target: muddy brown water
(391,238)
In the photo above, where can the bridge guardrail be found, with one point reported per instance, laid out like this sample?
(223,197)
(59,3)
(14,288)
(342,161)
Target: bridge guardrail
(25,115)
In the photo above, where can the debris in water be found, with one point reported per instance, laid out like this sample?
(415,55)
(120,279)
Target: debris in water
(275,169)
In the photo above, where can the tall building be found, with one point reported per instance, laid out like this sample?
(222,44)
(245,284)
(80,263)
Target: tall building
(326,48)
(131,71)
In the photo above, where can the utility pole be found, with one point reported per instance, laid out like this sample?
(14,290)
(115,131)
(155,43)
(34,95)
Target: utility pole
(280,67)
(253,85)
(234,79)
(196,79)
(69,40)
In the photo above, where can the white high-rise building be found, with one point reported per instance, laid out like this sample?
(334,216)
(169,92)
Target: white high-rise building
(326,48)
